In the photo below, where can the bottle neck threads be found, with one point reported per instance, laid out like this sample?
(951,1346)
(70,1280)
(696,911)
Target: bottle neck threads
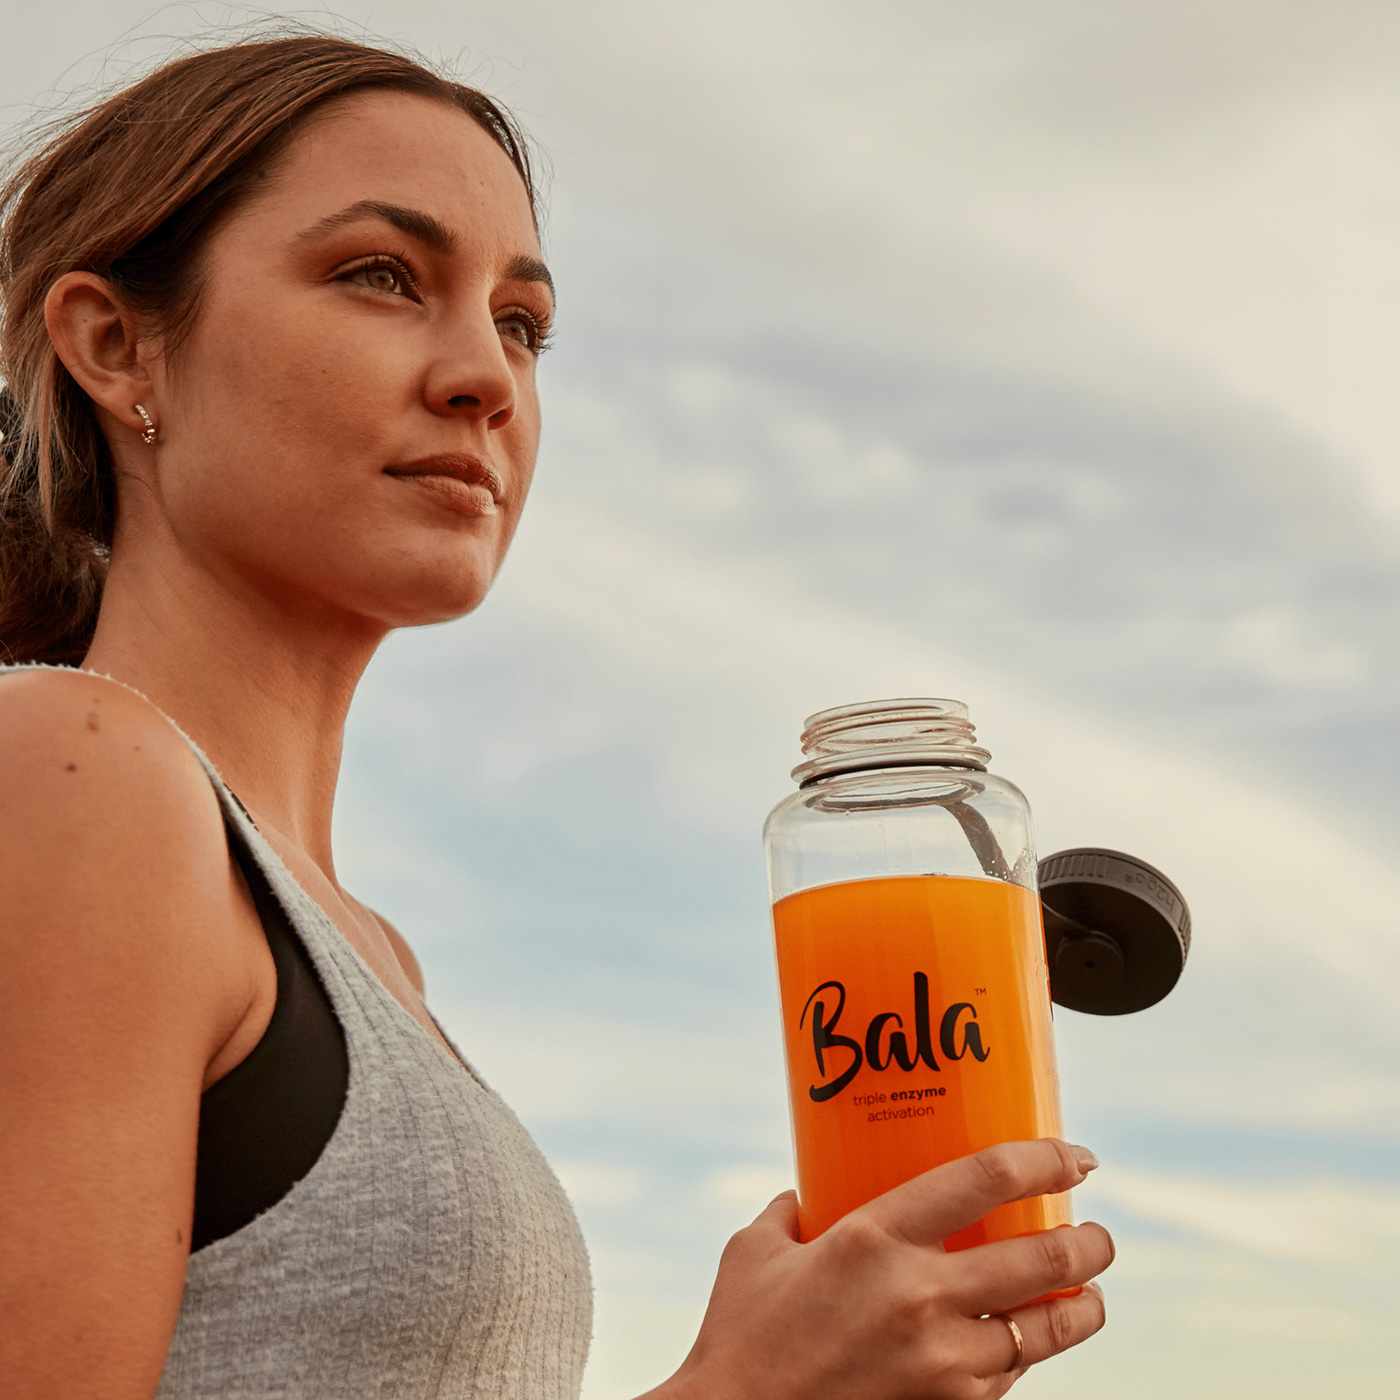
(889,734)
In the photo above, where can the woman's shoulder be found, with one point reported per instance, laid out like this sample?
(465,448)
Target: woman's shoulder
(59,723)
(95,780)
(121,910)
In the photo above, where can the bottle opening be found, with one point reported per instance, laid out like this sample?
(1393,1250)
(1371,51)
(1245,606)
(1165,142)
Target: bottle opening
(907,733)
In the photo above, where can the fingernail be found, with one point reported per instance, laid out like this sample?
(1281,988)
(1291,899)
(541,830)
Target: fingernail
(1084,1159)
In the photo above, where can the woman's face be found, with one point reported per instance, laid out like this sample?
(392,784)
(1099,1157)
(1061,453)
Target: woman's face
(351,425)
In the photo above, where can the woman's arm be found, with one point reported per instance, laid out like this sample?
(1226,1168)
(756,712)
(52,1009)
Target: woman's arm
(874,1309)
(121,977)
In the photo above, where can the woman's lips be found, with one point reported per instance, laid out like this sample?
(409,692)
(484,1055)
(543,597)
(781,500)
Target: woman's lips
(463,484)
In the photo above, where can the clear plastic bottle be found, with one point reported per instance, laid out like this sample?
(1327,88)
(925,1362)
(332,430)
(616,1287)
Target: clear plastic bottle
(911,961)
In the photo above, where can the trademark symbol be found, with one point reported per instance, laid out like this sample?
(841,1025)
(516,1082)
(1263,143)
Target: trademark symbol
(979,991)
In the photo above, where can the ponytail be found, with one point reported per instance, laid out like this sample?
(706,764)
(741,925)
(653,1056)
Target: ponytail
(53,554)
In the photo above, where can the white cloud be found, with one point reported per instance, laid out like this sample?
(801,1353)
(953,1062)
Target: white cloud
(1231,1086)
(1273,639)
(557,1067)
(638,1342)
(1239,1317)
(1328,1221)
(746,1188)
(599,1183)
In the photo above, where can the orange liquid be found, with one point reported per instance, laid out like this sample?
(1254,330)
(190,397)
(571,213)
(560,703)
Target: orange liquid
(892,977)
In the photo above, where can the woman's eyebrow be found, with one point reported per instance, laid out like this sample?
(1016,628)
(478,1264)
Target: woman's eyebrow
(414,222)
(426,229)
(527,269)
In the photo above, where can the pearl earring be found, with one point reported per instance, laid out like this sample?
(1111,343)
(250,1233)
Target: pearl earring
(149,435)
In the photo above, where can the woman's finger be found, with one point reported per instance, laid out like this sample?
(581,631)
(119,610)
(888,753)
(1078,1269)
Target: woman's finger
(779,1216)
(994,1277)
(1046,1330)
(933,1206)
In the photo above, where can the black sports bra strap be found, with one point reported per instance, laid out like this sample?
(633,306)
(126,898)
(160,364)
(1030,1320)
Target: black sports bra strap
(263,1126)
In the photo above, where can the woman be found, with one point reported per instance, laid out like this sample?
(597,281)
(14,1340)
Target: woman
(271,323)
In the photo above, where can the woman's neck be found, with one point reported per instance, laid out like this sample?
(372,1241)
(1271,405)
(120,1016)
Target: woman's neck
(263,691)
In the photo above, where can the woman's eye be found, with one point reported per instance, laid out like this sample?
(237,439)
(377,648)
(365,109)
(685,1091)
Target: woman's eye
(526,330)
(382,277)
(519,328)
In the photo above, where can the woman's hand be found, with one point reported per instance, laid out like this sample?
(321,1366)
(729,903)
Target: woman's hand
(875,1309)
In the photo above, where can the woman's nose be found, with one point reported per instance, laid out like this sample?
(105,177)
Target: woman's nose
(474,380)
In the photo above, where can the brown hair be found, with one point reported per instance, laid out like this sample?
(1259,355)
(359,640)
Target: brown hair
(131,189)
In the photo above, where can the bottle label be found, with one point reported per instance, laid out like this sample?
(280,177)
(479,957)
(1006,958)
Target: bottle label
(916,1016)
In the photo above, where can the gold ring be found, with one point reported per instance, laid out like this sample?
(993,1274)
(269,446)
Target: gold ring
(1017,1338)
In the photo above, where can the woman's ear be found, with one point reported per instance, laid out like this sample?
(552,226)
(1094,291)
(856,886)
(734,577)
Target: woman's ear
(98,340)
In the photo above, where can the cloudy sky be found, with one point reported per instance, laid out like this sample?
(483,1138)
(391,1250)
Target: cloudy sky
(1038,354)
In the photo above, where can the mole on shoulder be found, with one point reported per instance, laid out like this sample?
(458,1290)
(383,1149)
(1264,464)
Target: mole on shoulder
(92,722)
(72,768)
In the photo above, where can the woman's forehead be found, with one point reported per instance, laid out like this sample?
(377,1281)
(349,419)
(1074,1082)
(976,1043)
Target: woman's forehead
(402,150)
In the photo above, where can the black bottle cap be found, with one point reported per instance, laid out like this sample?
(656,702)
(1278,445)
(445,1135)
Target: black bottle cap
(1116,931)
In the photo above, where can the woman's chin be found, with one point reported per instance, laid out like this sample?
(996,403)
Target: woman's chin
(410,586)
(427,606)
(431,619)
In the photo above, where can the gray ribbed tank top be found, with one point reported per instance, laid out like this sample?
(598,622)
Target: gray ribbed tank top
(430,1252)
